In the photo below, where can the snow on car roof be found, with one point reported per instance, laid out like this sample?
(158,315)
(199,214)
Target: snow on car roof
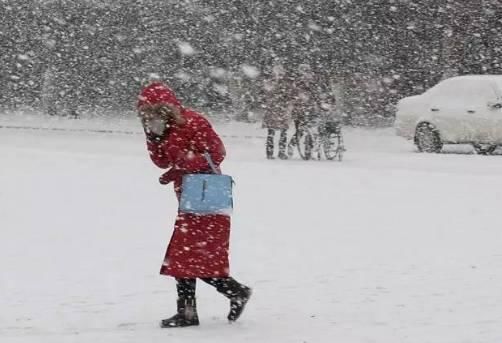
(454,85)
(496,78)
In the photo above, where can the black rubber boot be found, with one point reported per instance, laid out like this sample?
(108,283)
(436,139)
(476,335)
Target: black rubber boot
(238,303)
(237,293)
(186,316)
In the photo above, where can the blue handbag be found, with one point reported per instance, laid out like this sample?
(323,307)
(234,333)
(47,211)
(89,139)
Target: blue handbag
(207,193)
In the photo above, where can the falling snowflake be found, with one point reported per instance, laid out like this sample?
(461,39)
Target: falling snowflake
(186,48)
(250,71)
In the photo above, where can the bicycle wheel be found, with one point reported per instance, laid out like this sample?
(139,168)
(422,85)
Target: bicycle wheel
(333,146)
(304,143)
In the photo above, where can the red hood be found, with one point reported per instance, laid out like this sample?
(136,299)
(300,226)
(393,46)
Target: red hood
(157,93)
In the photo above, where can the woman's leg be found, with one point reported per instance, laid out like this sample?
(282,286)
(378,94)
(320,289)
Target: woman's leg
(186,288)
(270,143)
(283,141)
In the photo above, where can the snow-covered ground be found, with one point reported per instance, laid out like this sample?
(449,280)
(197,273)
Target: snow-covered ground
(387,246)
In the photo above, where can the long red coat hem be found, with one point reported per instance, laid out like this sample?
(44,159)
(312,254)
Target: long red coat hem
(198,247)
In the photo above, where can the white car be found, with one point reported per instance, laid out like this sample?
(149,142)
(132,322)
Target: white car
(464,109)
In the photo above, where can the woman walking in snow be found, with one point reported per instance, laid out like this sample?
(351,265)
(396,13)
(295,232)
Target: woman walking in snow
(177,138)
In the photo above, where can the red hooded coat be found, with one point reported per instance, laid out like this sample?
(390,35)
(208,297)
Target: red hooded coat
(200,243)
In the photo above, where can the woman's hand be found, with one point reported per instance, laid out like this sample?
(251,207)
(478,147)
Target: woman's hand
(169,176)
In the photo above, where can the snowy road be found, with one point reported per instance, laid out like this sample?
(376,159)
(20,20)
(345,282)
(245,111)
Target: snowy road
(388,246)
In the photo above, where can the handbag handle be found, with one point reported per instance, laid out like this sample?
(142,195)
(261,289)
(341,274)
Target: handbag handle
(211,163)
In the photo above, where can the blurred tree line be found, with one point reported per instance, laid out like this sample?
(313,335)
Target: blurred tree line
(67,56)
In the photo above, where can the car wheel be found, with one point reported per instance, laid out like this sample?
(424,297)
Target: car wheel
(427,138)
(485,149)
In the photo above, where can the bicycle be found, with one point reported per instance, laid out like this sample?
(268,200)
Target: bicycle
(312,140)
